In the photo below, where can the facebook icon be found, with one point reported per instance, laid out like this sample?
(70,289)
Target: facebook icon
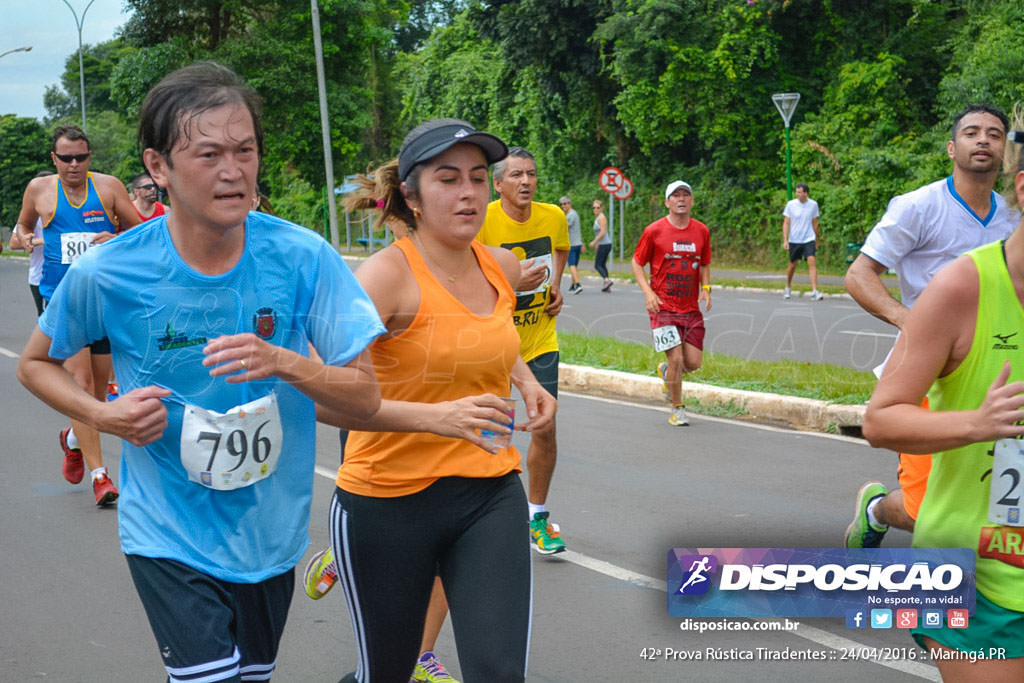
(855,618)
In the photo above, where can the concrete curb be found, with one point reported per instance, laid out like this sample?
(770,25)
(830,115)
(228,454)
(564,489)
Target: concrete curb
(800,413)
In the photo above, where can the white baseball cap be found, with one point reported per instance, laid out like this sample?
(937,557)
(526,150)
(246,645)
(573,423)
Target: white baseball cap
(675,185)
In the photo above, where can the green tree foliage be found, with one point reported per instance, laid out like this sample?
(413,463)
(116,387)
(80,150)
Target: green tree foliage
(987,57)
(270,44)
(24,151)
(62,102)
(661,88)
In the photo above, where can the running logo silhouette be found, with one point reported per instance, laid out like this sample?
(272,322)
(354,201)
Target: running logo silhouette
(696,582)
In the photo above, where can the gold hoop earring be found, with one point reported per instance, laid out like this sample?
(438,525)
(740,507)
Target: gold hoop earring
(415,213)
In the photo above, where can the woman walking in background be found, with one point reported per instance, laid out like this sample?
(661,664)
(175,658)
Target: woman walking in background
(602,242)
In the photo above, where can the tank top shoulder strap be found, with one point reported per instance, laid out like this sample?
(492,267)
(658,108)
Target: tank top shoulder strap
(58,194)
(492,269)
(427,282)
(416,263)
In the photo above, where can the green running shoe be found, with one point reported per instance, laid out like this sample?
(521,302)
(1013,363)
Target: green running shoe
(662,373)
(429,670)
(546,538)
(321,574)
(862,533)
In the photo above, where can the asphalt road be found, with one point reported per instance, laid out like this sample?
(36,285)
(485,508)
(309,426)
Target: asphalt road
(628,487)
(753,324)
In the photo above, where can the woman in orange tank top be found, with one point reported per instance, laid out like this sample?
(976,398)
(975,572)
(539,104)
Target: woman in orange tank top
(420,492)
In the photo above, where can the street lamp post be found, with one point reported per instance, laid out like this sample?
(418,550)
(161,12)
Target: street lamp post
(27,48)
(786,104)
(325,126)
(79,22)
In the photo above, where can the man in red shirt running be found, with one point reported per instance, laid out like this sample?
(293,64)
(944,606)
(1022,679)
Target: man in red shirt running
(678,250)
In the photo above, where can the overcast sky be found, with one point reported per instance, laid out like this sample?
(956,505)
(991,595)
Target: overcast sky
(49,27)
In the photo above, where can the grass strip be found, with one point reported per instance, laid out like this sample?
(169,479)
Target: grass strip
(791,378)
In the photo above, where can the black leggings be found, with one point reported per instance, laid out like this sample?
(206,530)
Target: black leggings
(388,551)
(601,259)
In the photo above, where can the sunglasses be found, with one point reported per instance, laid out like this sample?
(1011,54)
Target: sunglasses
(68,158)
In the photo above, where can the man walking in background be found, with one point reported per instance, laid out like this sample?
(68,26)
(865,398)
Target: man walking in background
(800,237)
(575,243)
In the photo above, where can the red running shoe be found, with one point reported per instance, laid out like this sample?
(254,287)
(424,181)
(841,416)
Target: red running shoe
(74,464)
(105,490)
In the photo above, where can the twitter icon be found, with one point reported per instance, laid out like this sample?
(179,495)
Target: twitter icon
(881,618)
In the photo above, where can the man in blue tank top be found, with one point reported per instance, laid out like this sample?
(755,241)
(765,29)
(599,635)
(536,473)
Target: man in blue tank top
(78,210)
(212,312)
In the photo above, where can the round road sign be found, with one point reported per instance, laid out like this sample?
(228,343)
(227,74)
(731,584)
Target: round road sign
(626,191)
(611,179)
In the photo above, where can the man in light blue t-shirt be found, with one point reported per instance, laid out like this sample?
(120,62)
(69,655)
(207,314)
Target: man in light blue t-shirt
(212,313)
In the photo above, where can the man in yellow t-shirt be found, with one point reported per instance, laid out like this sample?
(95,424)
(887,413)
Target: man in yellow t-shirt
(539,235)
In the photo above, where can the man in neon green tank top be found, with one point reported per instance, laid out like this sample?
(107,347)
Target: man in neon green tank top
(962,346)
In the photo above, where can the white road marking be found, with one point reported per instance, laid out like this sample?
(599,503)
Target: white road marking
(7,352)
(815,635)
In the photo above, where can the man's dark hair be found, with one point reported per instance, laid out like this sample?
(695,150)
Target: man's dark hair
(984,109)
(71,132)
(140,180)
(803,186)
(187,93)
(519,152)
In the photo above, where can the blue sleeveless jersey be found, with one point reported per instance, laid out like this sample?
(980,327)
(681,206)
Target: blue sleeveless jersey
(68,219)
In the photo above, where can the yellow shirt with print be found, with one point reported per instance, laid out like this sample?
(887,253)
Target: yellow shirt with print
(538,238)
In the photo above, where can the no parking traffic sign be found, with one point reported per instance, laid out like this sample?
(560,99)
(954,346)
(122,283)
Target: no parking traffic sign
(611,179)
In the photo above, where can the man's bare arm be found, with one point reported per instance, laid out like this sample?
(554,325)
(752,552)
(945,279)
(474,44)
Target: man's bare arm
(864,283)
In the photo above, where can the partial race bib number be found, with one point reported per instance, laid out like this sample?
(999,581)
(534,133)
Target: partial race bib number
(226,451)
(74,244)
(1007,485)
(666,337)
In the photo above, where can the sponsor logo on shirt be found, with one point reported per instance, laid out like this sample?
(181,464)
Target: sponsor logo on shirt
(177,340)
(1002,543)
(688,247)
(1003,343)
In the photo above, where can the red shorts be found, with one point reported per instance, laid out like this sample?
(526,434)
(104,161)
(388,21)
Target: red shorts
(690,325)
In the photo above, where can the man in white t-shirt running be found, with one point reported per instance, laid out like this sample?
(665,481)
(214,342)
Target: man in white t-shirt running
(800,237)
(920,233)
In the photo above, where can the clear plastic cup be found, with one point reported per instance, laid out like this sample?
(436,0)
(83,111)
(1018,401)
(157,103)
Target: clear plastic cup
(502,440)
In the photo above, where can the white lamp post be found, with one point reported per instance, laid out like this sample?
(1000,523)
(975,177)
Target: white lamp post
(79,22)
(27,48)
